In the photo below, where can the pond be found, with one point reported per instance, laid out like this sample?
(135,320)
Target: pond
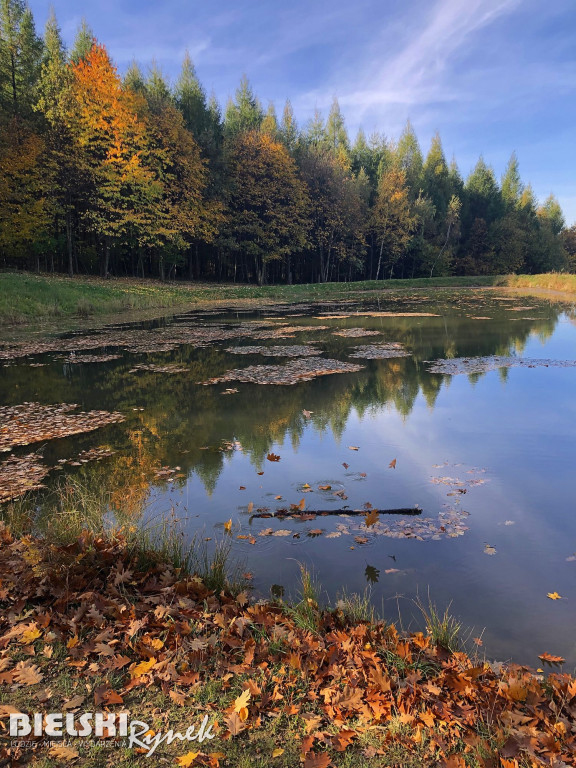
(356,453)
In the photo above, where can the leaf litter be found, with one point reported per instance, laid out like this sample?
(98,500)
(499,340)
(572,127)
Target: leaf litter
(287,375)
(169,633)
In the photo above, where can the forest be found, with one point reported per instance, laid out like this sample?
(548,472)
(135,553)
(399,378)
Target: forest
(135,176)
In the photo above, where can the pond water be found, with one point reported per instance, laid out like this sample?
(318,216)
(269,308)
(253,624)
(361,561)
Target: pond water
(484,461)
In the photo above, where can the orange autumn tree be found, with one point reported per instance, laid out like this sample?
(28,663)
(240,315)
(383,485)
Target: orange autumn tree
(113,141)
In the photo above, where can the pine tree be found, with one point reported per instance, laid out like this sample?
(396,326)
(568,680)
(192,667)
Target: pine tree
(134,79)
(315,135)
(20,60)
(65,156)
(244,113)
(157,91)
(336,129)
(83,43)
(436,177)
(511,185)
(408,158)
(289,128)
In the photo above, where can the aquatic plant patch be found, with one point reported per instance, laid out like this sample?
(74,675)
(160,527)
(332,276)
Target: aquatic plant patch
(292,373)
(354,333)
(287,350)
(20,474)
(33,422)
(379,351)
(469,365)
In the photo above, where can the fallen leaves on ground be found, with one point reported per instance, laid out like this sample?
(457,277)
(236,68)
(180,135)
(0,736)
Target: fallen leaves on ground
(344,679)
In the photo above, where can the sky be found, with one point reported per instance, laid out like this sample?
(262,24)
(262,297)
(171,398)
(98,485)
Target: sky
(491,76)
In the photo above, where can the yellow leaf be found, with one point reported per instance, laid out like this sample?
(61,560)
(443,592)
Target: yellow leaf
(72,642)
(278,752)
(242,701)
(30,635)
(554,596)
(228,525)
(143,668)
(187,759)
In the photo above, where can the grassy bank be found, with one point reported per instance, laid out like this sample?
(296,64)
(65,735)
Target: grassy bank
(86,626)
(25,297)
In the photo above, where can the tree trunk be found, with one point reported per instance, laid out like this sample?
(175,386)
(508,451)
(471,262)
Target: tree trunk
(69,242)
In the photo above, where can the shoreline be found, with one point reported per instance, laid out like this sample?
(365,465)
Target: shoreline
(27,299)
(105,626)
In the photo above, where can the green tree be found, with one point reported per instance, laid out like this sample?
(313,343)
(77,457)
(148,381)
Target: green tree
(270,123)
(267,203)
(20,60)
(83,43)
(436,177)
(289,128)
(336,130)
(407,157)
(244,113)
(511,185)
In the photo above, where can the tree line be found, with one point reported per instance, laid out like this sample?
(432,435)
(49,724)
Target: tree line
(133,176)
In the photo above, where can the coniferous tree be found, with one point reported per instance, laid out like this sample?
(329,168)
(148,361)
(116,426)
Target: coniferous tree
(244,113)
(289,128)
(20,60)
(83,43)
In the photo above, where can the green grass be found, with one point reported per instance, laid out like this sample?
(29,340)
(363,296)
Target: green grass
(26,297)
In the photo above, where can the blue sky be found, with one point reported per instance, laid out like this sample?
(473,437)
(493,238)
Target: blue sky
(491,76)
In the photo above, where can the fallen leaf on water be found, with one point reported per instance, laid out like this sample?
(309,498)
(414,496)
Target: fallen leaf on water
(324,487)
(489,549)
(354,447)
(306,413)
(228,525)
(371,518)
(302,505)
(550,659)
(273,457)
(392,464)
(554,596)
(250,507)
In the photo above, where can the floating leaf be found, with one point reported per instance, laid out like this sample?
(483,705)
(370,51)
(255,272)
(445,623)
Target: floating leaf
(554,596)
(392,464)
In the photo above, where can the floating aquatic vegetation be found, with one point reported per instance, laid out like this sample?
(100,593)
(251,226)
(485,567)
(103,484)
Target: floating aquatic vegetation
(291,373)
(354,333)
(469,365)
(20,474)
(377,314)
(91,358)
(167,368)
(32,422)
(287,350)
(285,331)
(380,351)
(92,454)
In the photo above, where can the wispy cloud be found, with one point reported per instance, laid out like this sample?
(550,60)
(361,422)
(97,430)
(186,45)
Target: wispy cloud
(415,74)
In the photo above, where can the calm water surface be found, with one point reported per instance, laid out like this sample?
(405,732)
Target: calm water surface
(506,437)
